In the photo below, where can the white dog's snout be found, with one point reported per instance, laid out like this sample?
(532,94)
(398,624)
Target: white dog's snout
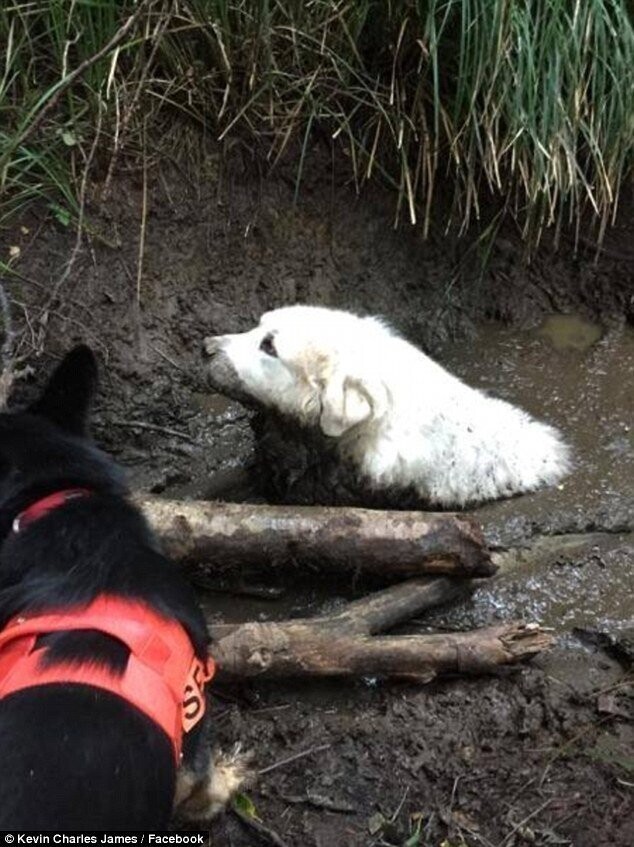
(212,344)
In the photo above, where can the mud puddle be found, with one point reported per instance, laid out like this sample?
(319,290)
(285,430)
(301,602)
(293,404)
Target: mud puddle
(569,566)
(579,572)
(569,583)
(580,378)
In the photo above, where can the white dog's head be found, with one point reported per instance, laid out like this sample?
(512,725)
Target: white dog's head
(307,362)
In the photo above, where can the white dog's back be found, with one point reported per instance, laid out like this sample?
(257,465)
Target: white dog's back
(454,443)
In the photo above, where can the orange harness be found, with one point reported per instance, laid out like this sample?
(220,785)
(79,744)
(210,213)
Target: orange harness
(163,677)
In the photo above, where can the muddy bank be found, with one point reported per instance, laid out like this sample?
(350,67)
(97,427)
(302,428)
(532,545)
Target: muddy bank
(542,756)
(220,252)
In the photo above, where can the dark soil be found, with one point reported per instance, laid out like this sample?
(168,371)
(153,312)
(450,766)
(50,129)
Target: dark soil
(535,757)
(541,756)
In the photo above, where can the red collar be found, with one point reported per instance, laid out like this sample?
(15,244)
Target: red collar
(163,677)
(47,504)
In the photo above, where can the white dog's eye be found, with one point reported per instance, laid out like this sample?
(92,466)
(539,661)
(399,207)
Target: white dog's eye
(268,346)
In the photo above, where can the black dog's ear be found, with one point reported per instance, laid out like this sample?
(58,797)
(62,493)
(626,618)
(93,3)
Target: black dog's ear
(67,395)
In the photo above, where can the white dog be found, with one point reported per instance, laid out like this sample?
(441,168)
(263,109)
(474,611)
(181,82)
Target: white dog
(402,420)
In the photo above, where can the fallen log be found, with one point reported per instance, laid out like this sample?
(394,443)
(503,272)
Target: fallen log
(345,644)
(396,544)
(228,536)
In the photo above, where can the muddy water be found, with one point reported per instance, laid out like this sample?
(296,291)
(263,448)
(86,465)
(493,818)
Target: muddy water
(579,582)
(580,377)
(576,375)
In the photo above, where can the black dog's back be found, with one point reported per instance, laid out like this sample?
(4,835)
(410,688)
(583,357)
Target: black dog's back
(75,756)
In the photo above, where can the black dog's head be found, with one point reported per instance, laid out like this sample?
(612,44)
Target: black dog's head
(46,445)
(66,398)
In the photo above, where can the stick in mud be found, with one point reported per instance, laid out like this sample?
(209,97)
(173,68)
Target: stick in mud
(226,536)
(344,643)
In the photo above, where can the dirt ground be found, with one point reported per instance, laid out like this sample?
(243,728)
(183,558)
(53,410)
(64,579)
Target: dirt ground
(542,755)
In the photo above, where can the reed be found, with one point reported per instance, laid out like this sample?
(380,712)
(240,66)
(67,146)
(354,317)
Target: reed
(528,102)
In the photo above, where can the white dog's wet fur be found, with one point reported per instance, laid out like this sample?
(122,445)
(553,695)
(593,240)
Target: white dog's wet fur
(401,419)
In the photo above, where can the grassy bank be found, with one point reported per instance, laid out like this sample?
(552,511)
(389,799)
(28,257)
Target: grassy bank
(531,103)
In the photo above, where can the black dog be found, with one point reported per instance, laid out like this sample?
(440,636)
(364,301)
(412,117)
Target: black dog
(103,648)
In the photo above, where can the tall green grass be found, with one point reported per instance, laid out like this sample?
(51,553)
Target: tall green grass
(530,102)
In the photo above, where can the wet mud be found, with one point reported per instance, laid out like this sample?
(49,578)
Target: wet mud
(541,755)
(572,560)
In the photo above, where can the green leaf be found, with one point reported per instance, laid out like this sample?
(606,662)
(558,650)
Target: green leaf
(376,823)
(245,804)
(61,214)
(416,838)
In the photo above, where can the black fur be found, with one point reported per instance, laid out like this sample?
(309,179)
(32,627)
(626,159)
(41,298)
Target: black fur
(300,465)
(74,756)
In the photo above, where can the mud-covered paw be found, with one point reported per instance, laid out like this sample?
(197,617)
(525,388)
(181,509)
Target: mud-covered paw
(201,799)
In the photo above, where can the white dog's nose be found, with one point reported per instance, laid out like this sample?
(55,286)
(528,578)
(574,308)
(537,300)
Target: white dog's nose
(212,344)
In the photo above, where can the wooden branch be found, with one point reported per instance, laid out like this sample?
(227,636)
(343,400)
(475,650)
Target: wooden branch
(230,535)
(383,610)
(395,544)
(342,644)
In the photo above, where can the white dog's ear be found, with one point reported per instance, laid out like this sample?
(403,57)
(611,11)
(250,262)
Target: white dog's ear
(344,403)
